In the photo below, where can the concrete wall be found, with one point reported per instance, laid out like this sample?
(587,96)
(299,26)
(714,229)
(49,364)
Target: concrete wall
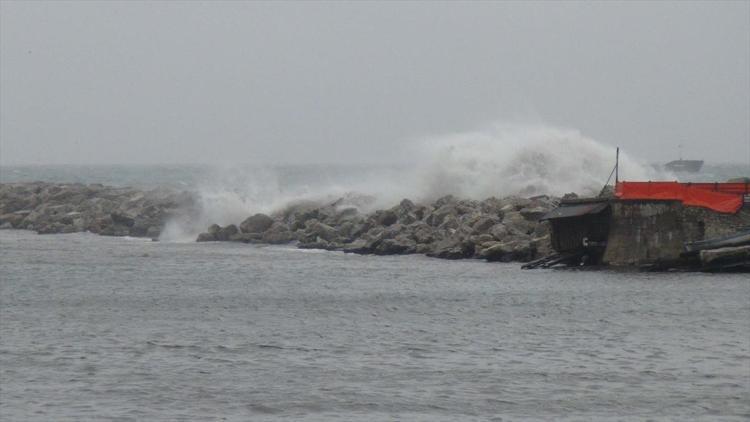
(646,232)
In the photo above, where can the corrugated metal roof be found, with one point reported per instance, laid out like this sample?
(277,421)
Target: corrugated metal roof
(578,210)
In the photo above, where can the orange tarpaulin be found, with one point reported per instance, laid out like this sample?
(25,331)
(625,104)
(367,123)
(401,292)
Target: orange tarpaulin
(721,197)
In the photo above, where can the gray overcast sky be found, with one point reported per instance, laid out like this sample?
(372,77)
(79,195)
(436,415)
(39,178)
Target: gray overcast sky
(170,82)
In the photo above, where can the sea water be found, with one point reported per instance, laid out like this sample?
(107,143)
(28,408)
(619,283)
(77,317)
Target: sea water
(101,328)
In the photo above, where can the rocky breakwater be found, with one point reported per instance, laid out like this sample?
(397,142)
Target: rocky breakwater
(67,208)
(506,229)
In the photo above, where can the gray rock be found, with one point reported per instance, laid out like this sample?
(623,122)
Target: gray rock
(324,231)
(452,248)
(438,216)
(445,200)
(122,219)
(517,223)
(533,213)
(423,233)
(317,244)
(397,246)
(512,250)
(499,231)
(278,233)
(247,237)
(514,203)
(206,237)
(483,224)
(386,217)
(358,246)
(226,233)
(257,223)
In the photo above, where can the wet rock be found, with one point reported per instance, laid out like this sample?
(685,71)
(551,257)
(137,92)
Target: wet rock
(483,224)
(316,229)
(346,215)
(257,223)
(316,244)
(12,220)
(278,233)
(423,233)
(445,200)
(516,223)
(452,248)
(386,217)
(115,230)
(246,237)
(513,250)
(514,203)
(206,237)
(437,217)
(398,246)
(122,219)
(499,231)
(226,233)
(533,213)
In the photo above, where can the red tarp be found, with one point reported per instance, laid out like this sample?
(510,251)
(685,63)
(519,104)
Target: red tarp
(721,197)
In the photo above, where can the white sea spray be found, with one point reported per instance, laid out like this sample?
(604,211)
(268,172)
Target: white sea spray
(498,160)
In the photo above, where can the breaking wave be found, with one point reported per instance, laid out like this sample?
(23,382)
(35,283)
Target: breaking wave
(509,160)
(498,161)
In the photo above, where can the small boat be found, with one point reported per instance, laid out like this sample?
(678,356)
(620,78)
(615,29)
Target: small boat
(740,238)
(684,166)
(726,253)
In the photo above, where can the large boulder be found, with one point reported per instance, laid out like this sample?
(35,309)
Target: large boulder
(278,233)
(512,250)
(515,222)
(316,244)
(257,223)
(386,217)
(422,232)
(483,224)
(439,215)
(514,203)
(499,231)
(452,248)
(533,213)
(345,215)
(398,246)
(226,233)
(122,219)
(247,237)
(206,237)
(315,229)
(359,246)
(445,200)
(12,219)
(406,212)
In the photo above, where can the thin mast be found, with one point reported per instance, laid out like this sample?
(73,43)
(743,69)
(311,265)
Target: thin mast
(617,166)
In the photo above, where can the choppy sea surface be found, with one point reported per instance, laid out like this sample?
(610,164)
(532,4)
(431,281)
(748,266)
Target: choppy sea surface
(100,328)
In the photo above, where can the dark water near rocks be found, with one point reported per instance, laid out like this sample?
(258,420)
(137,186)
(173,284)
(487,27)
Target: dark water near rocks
(96,328)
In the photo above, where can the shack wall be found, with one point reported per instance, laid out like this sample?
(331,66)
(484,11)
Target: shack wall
(647,232)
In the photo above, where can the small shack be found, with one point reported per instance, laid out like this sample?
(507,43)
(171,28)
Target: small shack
(579,228)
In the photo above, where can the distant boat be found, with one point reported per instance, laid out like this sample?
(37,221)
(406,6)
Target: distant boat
(684,166)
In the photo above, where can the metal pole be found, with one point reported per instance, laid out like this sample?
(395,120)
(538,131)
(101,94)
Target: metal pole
(617,167)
